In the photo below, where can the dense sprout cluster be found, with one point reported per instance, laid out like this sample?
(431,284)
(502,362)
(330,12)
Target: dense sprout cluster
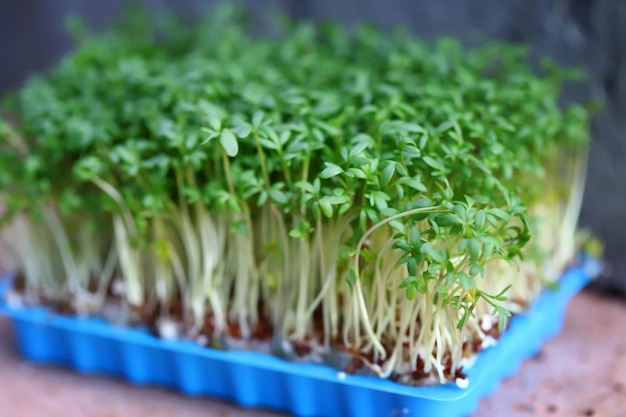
(325,191)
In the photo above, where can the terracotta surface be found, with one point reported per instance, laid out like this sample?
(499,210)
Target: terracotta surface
(580,373)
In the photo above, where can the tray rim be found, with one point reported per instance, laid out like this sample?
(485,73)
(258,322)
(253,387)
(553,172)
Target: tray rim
(482,372)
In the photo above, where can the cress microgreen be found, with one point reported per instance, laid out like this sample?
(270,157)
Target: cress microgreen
(358,189)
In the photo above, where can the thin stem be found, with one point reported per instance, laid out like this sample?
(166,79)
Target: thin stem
(359,299)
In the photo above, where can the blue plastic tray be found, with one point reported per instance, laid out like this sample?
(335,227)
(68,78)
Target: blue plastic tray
(253,379)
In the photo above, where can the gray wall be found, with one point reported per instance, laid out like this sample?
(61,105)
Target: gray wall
(588,33)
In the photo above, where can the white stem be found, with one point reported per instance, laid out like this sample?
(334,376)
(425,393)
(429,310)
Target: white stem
(106,275)
(358,296)
(67,257)
(129,262)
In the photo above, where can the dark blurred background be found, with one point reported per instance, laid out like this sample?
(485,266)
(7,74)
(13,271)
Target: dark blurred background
(586,33)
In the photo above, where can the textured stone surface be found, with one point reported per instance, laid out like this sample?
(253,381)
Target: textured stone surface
(582,372)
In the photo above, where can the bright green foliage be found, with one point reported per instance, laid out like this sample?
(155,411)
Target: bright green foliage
(368,177)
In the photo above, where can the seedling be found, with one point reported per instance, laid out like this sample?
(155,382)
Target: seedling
(326,191)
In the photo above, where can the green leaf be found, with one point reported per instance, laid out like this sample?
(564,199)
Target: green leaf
(215,123)
(257,118)
(387,174)
(89,167)
(428,249)
(434,228)
(501,322)
(278,196)
(351,276)
(242,131)
(210,136)
(503,313)
(229,142)
(476,269)
(422,203)
(479,220)
(401,244)
(499,213)
(398,226)
(411,266)
(268,144)
(328,128)
(415,236)
(488,248)
(326,207)
(355,172)
(448,219)
(410,280)
(413,127)
(330,171)
(474,249)
(360,160)
(306,186)
(411,152)
(500,296)
(446,125)
(464,280)
(358,148)
(411,291)
(380,200)
(337,199)
(433,163)
(263,196)
(463,319)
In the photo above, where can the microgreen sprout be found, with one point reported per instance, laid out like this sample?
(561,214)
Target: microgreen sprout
(352,191)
